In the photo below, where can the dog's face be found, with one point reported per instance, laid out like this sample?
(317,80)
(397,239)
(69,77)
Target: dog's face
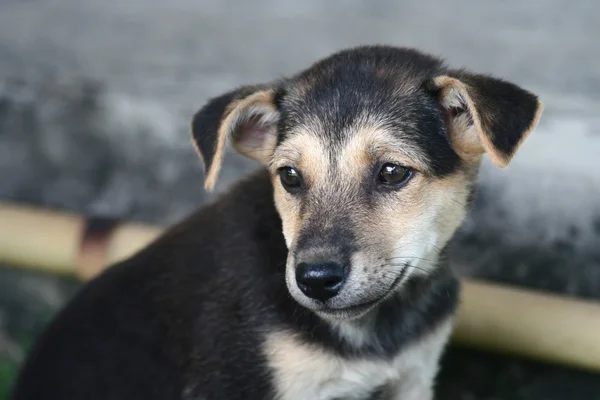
(372,154)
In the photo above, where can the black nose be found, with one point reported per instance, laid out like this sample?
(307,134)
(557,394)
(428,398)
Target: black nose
(320,281)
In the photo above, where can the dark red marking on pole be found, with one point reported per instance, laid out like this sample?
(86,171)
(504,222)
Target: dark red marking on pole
(93,247)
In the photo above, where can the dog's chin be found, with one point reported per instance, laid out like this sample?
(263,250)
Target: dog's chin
(345,313)
(349,313)
(338,313)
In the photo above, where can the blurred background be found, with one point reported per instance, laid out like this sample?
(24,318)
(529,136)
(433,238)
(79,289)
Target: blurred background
(96,99)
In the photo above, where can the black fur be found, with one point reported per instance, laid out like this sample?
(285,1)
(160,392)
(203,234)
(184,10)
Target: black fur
(340,237)
(380,81)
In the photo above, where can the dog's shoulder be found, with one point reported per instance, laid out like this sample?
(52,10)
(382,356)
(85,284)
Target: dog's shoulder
(193,292)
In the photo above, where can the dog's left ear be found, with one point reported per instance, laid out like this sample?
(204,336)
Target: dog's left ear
(246,116)
(486,114)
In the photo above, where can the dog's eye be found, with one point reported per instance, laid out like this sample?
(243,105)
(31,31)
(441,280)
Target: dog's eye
(290,178)
(394,175)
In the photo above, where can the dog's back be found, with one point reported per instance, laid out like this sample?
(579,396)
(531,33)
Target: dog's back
(187,307)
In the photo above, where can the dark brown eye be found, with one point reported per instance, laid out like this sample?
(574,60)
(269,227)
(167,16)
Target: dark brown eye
(394,175)
(290,178)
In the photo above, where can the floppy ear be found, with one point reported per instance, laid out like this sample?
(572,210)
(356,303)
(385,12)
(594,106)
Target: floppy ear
(486,114)
(246,116)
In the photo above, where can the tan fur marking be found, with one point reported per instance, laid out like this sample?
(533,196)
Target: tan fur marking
(290,210)
(465,138)
(305,152)
(448,198)
(236,112)
(424,213)
(413,225)
(313,161)
(305,371)
(454,92)
(369,142)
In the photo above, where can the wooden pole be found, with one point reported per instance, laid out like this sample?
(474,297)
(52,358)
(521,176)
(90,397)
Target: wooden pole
(493,317)
(530,324)
(66,243)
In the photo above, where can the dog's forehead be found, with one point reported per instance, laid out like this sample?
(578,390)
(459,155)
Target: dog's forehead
(354,147)
(365,91)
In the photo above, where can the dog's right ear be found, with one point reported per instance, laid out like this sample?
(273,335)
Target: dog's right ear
(246,116)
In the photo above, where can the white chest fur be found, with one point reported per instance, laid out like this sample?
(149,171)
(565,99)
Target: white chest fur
(303,371)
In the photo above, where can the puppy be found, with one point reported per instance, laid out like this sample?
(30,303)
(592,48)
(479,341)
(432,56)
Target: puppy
(319,277)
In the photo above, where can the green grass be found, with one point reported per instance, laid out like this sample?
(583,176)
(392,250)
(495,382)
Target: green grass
(9,368)
(8,373)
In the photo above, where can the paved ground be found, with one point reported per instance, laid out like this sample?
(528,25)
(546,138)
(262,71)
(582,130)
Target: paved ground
(95,99)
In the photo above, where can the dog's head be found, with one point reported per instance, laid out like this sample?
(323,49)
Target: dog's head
(372,153)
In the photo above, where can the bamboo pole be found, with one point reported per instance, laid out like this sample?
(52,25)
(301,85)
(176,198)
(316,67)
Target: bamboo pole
(530,324)
(493,317)
(38,238)
(66,243)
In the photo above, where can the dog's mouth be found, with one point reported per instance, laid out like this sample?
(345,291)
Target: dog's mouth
(352,312)
(361,309)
